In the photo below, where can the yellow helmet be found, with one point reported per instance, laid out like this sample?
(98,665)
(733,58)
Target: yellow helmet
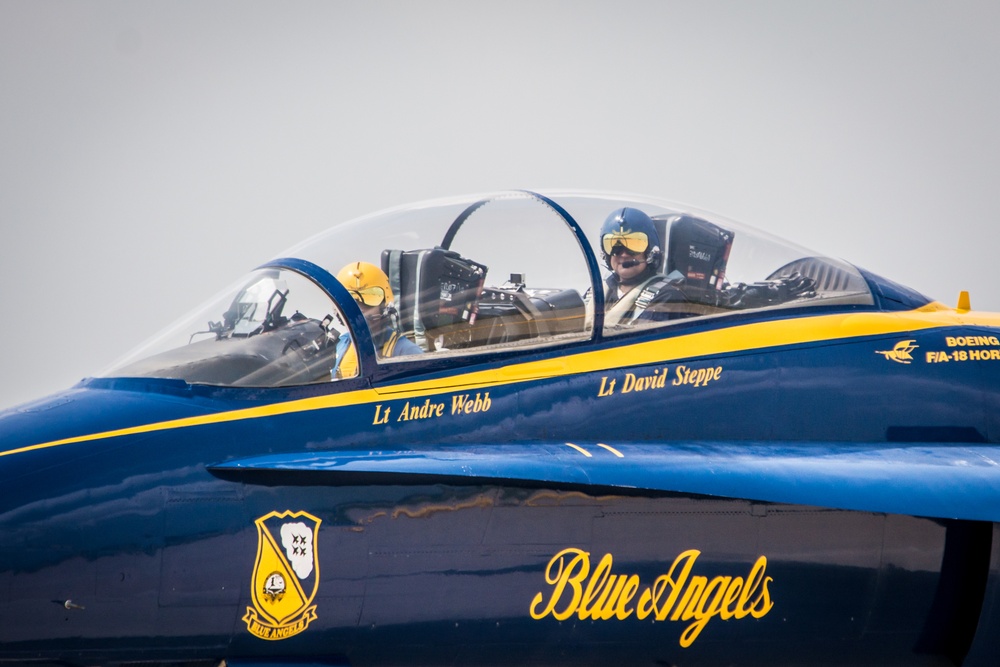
(367,283)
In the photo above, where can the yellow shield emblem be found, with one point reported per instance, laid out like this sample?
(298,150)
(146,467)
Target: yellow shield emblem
(285,576)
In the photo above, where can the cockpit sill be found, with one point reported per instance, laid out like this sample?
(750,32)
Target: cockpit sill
(444,364)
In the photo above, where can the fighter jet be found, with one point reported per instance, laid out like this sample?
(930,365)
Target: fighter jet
(521,428)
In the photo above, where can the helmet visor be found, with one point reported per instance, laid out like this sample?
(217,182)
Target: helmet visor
(635,242)
(369,296)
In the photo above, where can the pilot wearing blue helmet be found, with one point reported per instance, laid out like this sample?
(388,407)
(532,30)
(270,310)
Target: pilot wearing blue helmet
(630,247)
(637,291)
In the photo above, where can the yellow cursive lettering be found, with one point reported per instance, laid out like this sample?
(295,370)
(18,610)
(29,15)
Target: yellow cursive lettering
(569,574)
(601,594)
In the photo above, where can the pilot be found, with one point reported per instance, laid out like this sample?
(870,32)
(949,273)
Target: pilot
(638,292)
(630,247)
(369,286)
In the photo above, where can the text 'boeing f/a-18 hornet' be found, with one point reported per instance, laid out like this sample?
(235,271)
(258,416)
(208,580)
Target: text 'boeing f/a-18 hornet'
(521,429)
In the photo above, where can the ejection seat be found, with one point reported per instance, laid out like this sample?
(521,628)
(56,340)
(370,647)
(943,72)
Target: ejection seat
(443,304)
(436,290)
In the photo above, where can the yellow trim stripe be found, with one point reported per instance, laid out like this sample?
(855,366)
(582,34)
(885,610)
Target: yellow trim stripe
(726,340)
(611,449)
(579,449)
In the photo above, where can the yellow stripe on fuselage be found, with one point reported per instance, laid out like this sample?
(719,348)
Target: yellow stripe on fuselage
(725,340)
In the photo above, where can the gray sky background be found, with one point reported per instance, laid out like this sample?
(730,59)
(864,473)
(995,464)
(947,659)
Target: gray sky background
(153,152)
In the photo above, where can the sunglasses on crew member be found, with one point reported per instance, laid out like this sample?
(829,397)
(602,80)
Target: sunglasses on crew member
(369,296)
(634,242)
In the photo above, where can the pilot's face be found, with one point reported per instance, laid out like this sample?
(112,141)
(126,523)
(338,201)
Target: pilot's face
(620,261)
(371,313)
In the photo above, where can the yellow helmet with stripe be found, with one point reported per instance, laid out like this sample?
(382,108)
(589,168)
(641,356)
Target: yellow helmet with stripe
(367,284)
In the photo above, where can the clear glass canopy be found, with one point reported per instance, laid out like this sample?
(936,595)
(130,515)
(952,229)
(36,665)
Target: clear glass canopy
(483,274)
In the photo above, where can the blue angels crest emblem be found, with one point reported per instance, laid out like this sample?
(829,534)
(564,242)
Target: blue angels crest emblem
(285,575)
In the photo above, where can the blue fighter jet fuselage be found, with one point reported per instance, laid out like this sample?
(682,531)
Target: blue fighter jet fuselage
(751,455)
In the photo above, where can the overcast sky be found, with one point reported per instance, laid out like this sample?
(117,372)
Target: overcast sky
(153,152)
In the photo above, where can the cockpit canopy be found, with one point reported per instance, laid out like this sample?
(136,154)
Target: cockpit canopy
(489,274)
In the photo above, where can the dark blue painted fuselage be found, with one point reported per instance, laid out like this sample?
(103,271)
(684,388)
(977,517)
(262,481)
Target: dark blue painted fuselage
(780,486)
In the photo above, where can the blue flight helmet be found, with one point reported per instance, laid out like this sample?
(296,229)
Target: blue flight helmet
(633,230)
